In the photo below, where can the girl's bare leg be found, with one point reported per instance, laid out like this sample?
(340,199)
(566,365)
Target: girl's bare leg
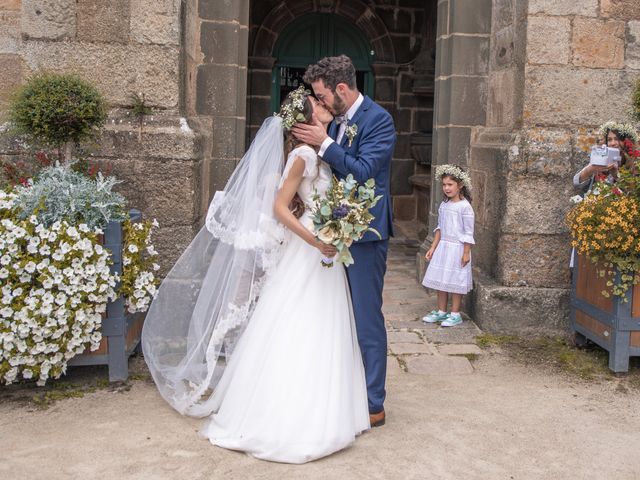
(456,301)
(442,301)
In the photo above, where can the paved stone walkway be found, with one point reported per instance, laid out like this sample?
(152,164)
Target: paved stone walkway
(415,346)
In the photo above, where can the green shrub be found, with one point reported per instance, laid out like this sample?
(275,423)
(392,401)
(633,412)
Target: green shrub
(55,109)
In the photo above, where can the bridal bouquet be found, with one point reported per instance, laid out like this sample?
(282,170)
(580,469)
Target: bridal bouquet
(342,216)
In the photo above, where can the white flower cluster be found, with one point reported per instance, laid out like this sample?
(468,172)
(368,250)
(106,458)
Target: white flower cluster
(455,172)
(140,284)
(56,284)
(624,130)
(291,113)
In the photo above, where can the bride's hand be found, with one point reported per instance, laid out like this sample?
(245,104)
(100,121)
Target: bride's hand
(328,251)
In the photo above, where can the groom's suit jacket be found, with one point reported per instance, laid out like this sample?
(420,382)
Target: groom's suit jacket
(369,156)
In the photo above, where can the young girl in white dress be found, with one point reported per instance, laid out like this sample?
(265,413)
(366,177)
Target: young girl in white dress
(449,270)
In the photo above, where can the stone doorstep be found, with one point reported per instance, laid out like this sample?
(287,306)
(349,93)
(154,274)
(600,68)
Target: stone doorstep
(411,348)
(437,365)
(459,349)
(453,335)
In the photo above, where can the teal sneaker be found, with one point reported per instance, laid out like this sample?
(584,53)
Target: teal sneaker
(434,317)
(452,321)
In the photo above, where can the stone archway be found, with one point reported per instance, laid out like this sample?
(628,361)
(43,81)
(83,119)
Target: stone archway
(265,35)
(356,11)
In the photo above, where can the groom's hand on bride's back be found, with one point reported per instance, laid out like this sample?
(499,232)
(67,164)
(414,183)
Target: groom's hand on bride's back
(313,133)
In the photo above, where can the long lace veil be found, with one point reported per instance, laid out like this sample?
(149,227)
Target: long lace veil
(206,300)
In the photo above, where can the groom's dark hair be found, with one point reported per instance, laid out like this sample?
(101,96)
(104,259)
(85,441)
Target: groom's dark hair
(332,71)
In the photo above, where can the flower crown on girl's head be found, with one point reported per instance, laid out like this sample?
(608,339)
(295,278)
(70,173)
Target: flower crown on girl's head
(624,130)
(291,113)
(455,172)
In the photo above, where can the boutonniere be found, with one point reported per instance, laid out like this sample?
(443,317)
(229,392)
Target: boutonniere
(351,131)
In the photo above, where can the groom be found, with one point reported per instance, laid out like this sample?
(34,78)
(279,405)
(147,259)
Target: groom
(360,141)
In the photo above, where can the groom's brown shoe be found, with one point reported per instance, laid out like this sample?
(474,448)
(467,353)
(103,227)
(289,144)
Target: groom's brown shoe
(377,419)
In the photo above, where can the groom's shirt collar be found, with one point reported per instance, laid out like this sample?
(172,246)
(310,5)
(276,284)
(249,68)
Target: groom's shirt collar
(354,108)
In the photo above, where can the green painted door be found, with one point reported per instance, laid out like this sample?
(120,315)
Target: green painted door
(311,37)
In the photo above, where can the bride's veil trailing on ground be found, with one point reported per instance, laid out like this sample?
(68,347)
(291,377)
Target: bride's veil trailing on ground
(206,300)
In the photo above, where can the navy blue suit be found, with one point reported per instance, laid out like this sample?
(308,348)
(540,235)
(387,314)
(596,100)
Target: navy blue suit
(369,156)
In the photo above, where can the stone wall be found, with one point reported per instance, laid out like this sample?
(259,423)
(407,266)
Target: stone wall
(188,57)
(557,70)
(461,91)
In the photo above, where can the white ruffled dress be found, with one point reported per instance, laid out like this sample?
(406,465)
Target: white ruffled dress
(445,271)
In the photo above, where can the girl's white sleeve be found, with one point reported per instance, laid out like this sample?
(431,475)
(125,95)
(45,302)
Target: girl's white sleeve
(468,219)
(439,217)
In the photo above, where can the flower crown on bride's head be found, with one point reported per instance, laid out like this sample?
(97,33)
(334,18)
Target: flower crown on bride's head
(455,172)
(291,113)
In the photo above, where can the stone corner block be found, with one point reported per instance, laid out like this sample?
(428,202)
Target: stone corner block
(540,311)
(470,16)
(49,19)
(103,21)
(10,5)
(632,57)
(598,43)
(548,40)
(584,8)
(155,22)
(622,9)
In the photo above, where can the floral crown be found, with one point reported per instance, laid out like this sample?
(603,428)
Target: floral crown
(291,113)
(624,130)
(455,172)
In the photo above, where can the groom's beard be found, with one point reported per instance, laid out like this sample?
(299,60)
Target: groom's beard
(338,106)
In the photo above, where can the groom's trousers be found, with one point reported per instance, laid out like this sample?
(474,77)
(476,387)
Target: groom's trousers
(366,279)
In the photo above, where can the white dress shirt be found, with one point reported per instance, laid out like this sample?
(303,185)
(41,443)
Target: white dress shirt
(343,126)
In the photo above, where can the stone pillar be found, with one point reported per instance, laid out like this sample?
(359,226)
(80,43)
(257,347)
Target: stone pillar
(557,70)
(221,85)
(462,66)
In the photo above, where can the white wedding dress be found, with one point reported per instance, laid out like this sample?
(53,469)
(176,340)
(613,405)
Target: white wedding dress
(294,389)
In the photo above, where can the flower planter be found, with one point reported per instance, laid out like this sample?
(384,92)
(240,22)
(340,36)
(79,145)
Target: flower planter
(121,330)
(609,322)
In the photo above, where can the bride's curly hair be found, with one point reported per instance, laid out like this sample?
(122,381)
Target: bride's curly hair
(290,142)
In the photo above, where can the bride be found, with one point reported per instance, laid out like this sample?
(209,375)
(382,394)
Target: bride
(249,329)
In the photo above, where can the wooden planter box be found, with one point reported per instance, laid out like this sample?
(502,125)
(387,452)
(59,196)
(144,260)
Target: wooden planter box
(121,331)
(609,322)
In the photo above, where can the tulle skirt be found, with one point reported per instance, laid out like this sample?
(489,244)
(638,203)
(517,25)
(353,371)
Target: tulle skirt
(294,389)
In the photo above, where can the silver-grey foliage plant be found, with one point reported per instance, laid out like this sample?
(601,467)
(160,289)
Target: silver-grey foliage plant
(59,193)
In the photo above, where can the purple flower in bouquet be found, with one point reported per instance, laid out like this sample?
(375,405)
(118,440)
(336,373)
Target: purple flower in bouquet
(340,212)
